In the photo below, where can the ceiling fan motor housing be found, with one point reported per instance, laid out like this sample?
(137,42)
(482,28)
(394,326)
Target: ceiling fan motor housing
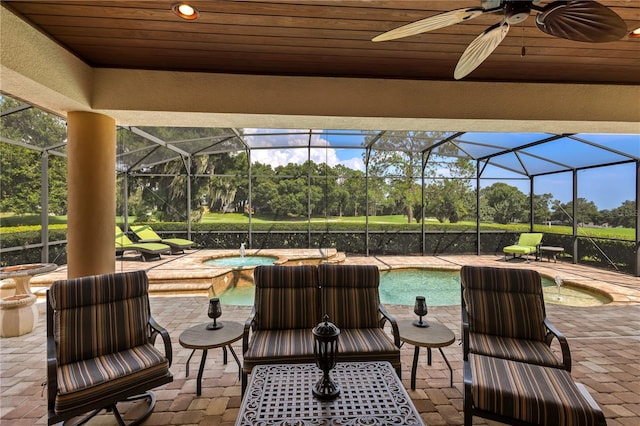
(517,11)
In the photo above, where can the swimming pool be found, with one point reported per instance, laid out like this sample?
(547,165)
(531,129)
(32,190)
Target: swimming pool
(439,287)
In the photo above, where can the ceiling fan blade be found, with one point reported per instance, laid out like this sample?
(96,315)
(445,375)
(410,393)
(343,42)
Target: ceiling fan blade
(432,23)
(480,49)
(581,20)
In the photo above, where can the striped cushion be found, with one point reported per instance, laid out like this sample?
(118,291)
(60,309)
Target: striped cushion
(364,343)
(533,351)
(296,346)
(268,346)
(90,380)
(286,297)
(89,313)
(504,302)
(350,295)
(530,393)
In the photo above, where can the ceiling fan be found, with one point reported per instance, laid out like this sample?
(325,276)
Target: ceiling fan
(579,20)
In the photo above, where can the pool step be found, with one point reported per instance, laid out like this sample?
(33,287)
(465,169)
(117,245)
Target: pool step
(180,288)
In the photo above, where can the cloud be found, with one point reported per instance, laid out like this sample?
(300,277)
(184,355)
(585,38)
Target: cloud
(354,163)
(292,148)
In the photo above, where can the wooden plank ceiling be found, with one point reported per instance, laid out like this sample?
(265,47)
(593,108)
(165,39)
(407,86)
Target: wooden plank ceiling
(323,38)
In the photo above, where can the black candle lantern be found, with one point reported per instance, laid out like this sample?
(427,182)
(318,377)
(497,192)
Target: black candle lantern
(325,350)
(420,309)
(215,311)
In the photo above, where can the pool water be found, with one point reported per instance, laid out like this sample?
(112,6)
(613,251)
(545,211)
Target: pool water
(401,286)
(238,296)
(241,261)
(440,288)
(572,296)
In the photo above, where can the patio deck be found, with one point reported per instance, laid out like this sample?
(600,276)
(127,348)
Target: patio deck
(604,341)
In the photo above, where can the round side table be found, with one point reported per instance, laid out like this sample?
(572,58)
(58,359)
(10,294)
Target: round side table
(434,336)
(22,274)
(199,338)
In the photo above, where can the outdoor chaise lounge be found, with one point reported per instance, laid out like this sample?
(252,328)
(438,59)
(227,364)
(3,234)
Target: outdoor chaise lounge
(529,242)
(511,374)
(148,251)
(146,234)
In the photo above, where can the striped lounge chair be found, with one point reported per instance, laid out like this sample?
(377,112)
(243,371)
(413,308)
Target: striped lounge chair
(100,346)
(510,373)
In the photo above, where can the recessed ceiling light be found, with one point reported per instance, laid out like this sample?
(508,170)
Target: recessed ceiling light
(634,33)
(185,11)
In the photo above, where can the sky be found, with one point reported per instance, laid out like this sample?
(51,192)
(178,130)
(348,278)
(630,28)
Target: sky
(608,187)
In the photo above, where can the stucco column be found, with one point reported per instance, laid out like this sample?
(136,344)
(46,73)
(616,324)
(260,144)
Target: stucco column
(91,198)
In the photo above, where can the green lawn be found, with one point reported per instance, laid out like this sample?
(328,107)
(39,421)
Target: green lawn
(8,220)
(620,233)
(239,218)
(242,218)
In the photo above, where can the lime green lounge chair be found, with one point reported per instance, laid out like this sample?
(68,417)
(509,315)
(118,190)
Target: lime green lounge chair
(148,251)
(529,242)
(146,234)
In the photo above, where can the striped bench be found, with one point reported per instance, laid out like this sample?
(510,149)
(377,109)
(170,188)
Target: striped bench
(291,300)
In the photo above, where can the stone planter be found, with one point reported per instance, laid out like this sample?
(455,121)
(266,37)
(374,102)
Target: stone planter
(18,315)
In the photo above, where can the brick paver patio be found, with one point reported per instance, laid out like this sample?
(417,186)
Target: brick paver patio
(604,341)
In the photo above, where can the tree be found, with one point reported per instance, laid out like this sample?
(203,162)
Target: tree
(624,215)
(587,211)
(215,179)
(228,190)
(328,195)
(396,157)
(407,196)
(378,195)
(283,191)
(20,179)
(487,213)
(20,166)
(349,195)
(507,202)
(263,188)
(292,198)
(449,198)
(541,207)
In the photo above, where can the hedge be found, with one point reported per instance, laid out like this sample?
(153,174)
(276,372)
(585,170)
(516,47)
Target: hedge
(384,239)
